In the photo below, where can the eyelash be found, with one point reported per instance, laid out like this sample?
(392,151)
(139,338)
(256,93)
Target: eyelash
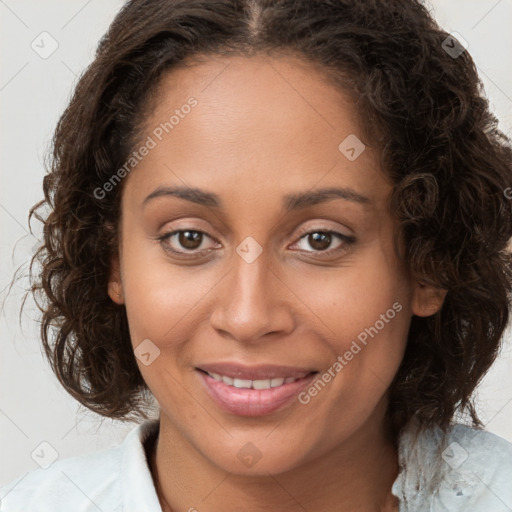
(347,241)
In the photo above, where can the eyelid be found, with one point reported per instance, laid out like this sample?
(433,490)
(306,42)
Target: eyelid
(169,234)
(319,229)
(346,240)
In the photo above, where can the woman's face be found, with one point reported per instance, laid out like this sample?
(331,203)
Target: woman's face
(273,277)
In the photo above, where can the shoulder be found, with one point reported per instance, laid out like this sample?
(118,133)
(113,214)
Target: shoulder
(85,482)
(91,482)
(463,469)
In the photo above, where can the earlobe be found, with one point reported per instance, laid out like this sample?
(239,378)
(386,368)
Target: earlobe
(427,299)
(115,286)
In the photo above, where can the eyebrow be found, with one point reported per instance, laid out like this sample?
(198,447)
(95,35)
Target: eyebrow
(291,202)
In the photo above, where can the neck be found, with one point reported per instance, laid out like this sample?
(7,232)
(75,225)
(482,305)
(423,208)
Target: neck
(358,475)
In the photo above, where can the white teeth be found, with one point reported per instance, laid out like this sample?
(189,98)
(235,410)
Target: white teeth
(241,383)
(276,382)
(261,384)
(254,384)
(227,380)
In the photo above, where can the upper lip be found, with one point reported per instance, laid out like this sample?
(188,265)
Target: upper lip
(259,372)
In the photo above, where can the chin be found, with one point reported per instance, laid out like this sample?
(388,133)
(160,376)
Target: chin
(256,458)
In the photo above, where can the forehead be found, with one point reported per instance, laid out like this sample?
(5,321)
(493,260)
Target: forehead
(274,88)
(257,121)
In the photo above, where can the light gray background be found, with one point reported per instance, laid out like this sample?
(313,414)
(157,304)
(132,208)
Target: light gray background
(33,93)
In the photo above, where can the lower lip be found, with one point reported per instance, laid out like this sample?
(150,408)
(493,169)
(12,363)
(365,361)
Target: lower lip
(253,402)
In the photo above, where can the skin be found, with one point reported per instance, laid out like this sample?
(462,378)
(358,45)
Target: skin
(265,127)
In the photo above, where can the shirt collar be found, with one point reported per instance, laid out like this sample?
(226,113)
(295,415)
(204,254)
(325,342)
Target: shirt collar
(137,487)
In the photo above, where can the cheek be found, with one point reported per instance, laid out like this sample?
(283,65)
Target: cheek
(160,300)
(159,296)
(363,310)
(352,298)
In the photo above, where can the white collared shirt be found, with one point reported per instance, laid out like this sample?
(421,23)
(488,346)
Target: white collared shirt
(472,473)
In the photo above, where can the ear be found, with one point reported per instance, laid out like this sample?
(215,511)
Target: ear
(427,299)
(115,285)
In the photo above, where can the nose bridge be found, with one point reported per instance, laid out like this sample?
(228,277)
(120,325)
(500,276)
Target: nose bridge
(252,301)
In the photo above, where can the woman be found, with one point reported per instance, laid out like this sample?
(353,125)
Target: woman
(287,222)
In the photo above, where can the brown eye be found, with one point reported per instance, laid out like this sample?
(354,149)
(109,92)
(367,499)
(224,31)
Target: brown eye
(190,239)
(185,242)
(319,241)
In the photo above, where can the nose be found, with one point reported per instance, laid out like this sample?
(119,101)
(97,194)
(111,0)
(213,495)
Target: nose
(254,302)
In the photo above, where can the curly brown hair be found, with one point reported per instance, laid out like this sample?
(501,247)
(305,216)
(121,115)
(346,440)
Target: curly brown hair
(423,108)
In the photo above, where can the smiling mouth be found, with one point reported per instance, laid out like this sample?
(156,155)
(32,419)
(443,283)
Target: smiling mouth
(269,390)
(254,384)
